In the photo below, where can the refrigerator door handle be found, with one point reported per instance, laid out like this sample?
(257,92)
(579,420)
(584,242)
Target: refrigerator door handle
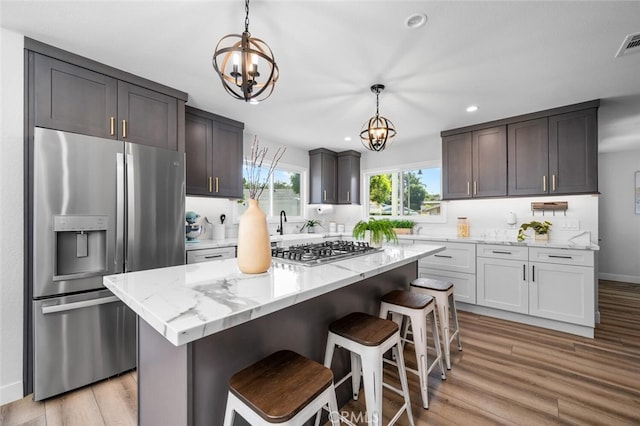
(78,305)
(130,213)
(120,194)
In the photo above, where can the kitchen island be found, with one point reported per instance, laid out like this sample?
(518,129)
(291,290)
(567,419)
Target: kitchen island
(200,323)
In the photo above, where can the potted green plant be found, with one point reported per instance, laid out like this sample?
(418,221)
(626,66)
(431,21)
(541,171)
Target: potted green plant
(540,230)
(311,225)
(376,230)
(402,226)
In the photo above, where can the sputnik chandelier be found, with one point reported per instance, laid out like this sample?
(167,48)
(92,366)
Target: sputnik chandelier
(245,65)
(378,130)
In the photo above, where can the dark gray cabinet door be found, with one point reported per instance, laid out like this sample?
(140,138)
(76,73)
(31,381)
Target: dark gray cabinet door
(457,155)
(349,177)
(573,152)
(213,146)
(322,176)
(490,162)
(74,99)
(147,117)
(227,160)
(198,147)
(528,147)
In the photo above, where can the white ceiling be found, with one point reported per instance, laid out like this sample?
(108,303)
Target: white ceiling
(508,58)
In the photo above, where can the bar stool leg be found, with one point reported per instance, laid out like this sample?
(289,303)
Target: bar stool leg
(420,344)
(402,372)
(454,313)
(437,344)
(443,317)
(229,412)
(372,372)
(356,374)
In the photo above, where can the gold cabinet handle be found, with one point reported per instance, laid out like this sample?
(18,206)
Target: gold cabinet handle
(544,183)
(553,183)
(124,129)
(112,126)
(468,188)
(475,187)
(210,184)
(217,190)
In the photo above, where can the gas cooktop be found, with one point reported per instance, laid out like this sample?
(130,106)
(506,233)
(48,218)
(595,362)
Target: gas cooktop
(320,253)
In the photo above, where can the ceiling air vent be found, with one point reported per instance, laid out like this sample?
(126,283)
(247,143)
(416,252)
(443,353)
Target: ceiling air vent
(631,44)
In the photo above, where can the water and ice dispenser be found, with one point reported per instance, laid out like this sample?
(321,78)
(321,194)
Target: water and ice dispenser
(81,246)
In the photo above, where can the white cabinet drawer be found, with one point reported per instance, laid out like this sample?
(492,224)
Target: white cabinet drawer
(206,255)
(458,257)
(496,251)
(464,285)
(561,256)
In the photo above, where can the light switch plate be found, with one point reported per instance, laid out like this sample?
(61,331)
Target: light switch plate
(570,225)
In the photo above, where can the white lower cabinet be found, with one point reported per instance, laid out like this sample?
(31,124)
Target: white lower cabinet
(562,292)
(502,284)
(556,286)
(456,264)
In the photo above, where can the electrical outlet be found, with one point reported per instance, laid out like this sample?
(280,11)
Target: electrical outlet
(570,225)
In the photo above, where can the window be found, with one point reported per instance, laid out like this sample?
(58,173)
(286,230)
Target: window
(414,193)
(282,192)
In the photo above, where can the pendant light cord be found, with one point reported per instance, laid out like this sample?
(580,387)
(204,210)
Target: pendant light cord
(246,16)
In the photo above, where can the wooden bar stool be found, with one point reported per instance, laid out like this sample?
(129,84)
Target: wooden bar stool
(284,388)
(417,308)
(442,291)
(368,338)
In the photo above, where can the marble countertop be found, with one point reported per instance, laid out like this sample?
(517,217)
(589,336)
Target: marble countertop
(578,244)
(227,242)
(187,302)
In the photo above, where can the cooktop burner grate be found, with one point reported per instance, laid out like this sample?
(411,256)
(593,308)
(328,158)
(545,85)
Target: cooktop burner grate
(320,253)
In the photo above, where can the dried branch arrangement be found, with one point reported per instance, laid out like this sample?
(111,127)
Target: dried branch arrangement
(253,168)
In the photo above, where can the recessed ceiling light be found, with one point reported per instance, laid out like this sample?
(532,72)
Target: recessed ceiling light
(472,108)
(415,20)
(347,138)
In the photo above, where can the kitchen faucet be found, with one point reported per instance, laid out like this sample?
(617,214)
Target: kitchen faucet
(280,229)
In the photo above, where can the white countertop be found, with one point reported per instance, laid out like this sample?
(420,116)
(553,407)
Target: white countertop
(292,238)
(185,303)
(576,245)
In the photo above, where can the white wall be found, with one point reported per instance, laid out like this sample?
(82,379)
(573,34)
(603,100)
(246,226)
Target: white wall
(619,225)
(11,214)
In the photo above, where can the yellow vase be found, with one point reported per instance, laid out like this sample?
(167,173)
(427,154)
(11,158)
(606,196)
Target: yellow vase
(254,246)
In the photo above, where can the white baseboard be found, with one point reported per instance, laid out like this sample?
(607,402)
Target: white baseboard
(619,277)
(11,392)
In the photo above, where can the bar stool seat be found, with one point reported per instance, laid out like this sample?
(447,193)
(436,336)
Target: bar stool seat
(417,308)
(368,338)
(442,292)
(284,388)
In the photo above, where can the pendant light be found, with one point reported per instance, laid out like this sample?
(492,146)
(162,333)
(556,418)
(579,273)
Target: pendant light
(245,65)
(378,130)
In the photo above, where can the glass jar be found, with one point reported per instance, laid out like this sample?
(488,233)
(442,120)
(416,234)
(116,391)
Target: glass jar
(463,227)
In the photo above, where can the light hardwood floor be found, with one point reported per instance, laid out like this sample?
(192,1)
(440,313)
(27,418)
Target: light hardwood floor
(507,373)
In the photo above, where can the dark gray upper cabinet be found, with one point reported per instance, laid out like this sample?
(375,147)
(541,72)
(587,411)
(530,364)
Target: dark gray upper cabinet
(74,99)
(548,152)
(147,117)
(490,162)
(349,177)
(573,152)
(322,176)
(528,157)
(213,146)
(475,164)
(78,95)
(457,166)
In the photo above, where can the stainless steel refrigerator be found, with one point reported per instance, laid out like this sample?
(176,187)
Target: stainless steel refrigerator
(100,207)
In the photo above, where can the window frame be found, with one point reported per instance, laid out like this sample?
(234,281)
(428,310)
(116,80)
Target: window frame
(304,172)
(366,176)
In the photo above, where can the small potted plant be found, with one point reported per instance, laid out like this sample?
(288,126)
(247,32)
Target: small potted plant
(402,227)
(311,225)
(376,230)
(540,230)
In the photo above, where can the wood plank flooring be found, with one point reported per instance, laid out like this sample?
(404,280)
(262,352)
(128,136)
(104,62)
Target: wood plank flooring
(507,374)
